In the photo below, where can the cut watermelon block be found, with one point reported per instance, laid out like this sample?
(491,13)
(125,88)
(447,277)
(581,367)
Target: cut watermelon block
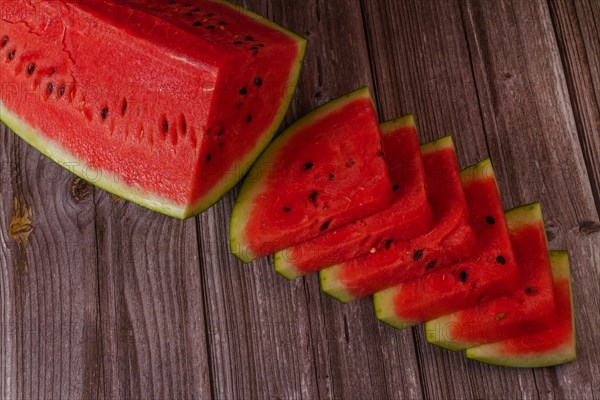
(325,171)
(491,273)
(554,344)
(449,241)
(410,211)
(521,312)
(162,103)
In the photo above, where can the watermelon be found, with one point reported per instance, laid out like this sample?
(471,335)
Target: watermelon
(450,240)
(410,211)
(520,312)
(490,273)
(323,172)
(553,343)
(163,103)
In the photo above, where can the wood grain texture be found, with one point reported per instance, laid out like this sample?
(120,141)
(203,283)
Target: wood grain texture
(100,298)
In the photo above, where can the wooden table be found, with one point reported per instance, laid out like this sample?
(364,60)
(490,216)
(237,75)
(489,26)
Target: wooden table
(100,298)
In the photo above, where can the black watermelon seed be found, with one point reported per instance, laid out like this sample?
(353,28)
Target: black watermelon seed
(490,220)
(222,23)
(330,177)
(249,38)
(238,42)
(501,260)
(418,254)
(50,88)
(196,9)
(254,53)
(257,81)
(197,23)
(124,107)
(395,187)
(388,244)
(313,196)
(171,2)
(4,41)
(210,27)
(287,209)
(104,112)
(249,118)
(61,91)
(11,55)
(188,14)
(325,225)
(208,157)
(243,91)
(308,166)
(253,48)
(210,15)
(220,144)
(463,276)
(431,264)
(187,5)
(166,126)
(30,69)
(220,133)
(529,290)
(260,45)
(381,154)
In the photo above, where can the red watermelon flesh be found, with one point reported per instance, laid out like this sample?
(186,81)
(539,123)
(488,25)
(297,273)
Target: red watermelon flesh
(518,313)
(491,273)
(410,211)
(450,240)
(323,172)
(163,103)
(554,341)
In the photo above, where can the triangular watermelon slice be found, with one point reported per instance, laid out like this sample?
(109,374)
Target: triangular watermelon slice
(516,314)
(554,344)
(491,273)
(450,240)
(323,172)
(410,211)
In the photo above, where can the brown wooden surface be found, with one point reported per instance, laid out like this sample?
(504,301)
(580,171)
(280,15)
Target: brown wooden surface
(100,298)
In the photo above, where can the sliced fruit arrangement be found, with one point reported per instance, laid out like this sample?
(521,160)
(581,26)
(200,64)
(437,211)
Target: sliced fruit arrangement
(432,244)
(410,211)
(320,174)
(490,273)
(450,240)
(173,136)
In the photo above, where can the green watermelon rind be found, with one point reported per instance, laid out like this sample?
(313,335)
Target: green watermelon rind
(331,282)
(283,265)
(252,188)
(382,302)
(515,219)
(492,353)
(143,197)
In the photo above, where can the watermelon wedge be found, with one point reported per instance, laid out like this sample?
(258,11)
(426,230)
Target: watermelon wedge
(553,344)
(491,273)
(513,315)
(410,211)
(163,103)
(450,240)
(323,172)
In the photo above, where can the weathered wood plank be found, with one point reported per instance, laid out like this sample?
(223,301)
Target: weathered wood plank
(530,126)
(50,343)
(152,324)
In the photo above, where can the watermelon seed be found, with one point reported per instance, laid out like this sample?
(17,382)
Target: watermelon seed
(124,106)
(187,5)
(395,187)
(287,209)
(260,45)
(350,163)
(258,81)
(210,27)
(325,225)
(418,254)
(388,244)
(331,176)
(254,48)
(220,133)
(188,14)
(197,23)
(529,290)
(249,118)
(196,9)
(30,69)
(243,91)
(104,112)
(171,2)
(220,144)
(183,124)
(501,260)
(490,220)
(222,23)
(431,265)
(238,42)
(249,38)
(50,88)
(61,91)
(463,276)
(210,15)
(4,41)
(500,316)
(313,196)
(308,166)
(381,154)
(11,55)
(208,157)
(165,126)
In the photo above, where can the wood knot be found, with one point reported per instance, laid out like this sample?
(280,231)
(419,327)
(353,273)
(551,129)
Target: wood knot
(589,227)
(80,190)
(20,226)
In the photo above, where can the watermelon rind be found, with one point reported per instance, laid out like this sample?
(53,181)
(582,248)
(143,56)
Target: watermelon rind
(283,265)
(252,188)
(383,304)
(493,353)
(111,183)
(436,331)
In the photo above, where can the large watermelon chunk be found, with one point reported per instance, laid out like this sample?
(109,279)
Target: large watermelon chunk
(323,172)
(490,273)
(553,343)
(450,240)
(164,103)
(516,314)
(410,212)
